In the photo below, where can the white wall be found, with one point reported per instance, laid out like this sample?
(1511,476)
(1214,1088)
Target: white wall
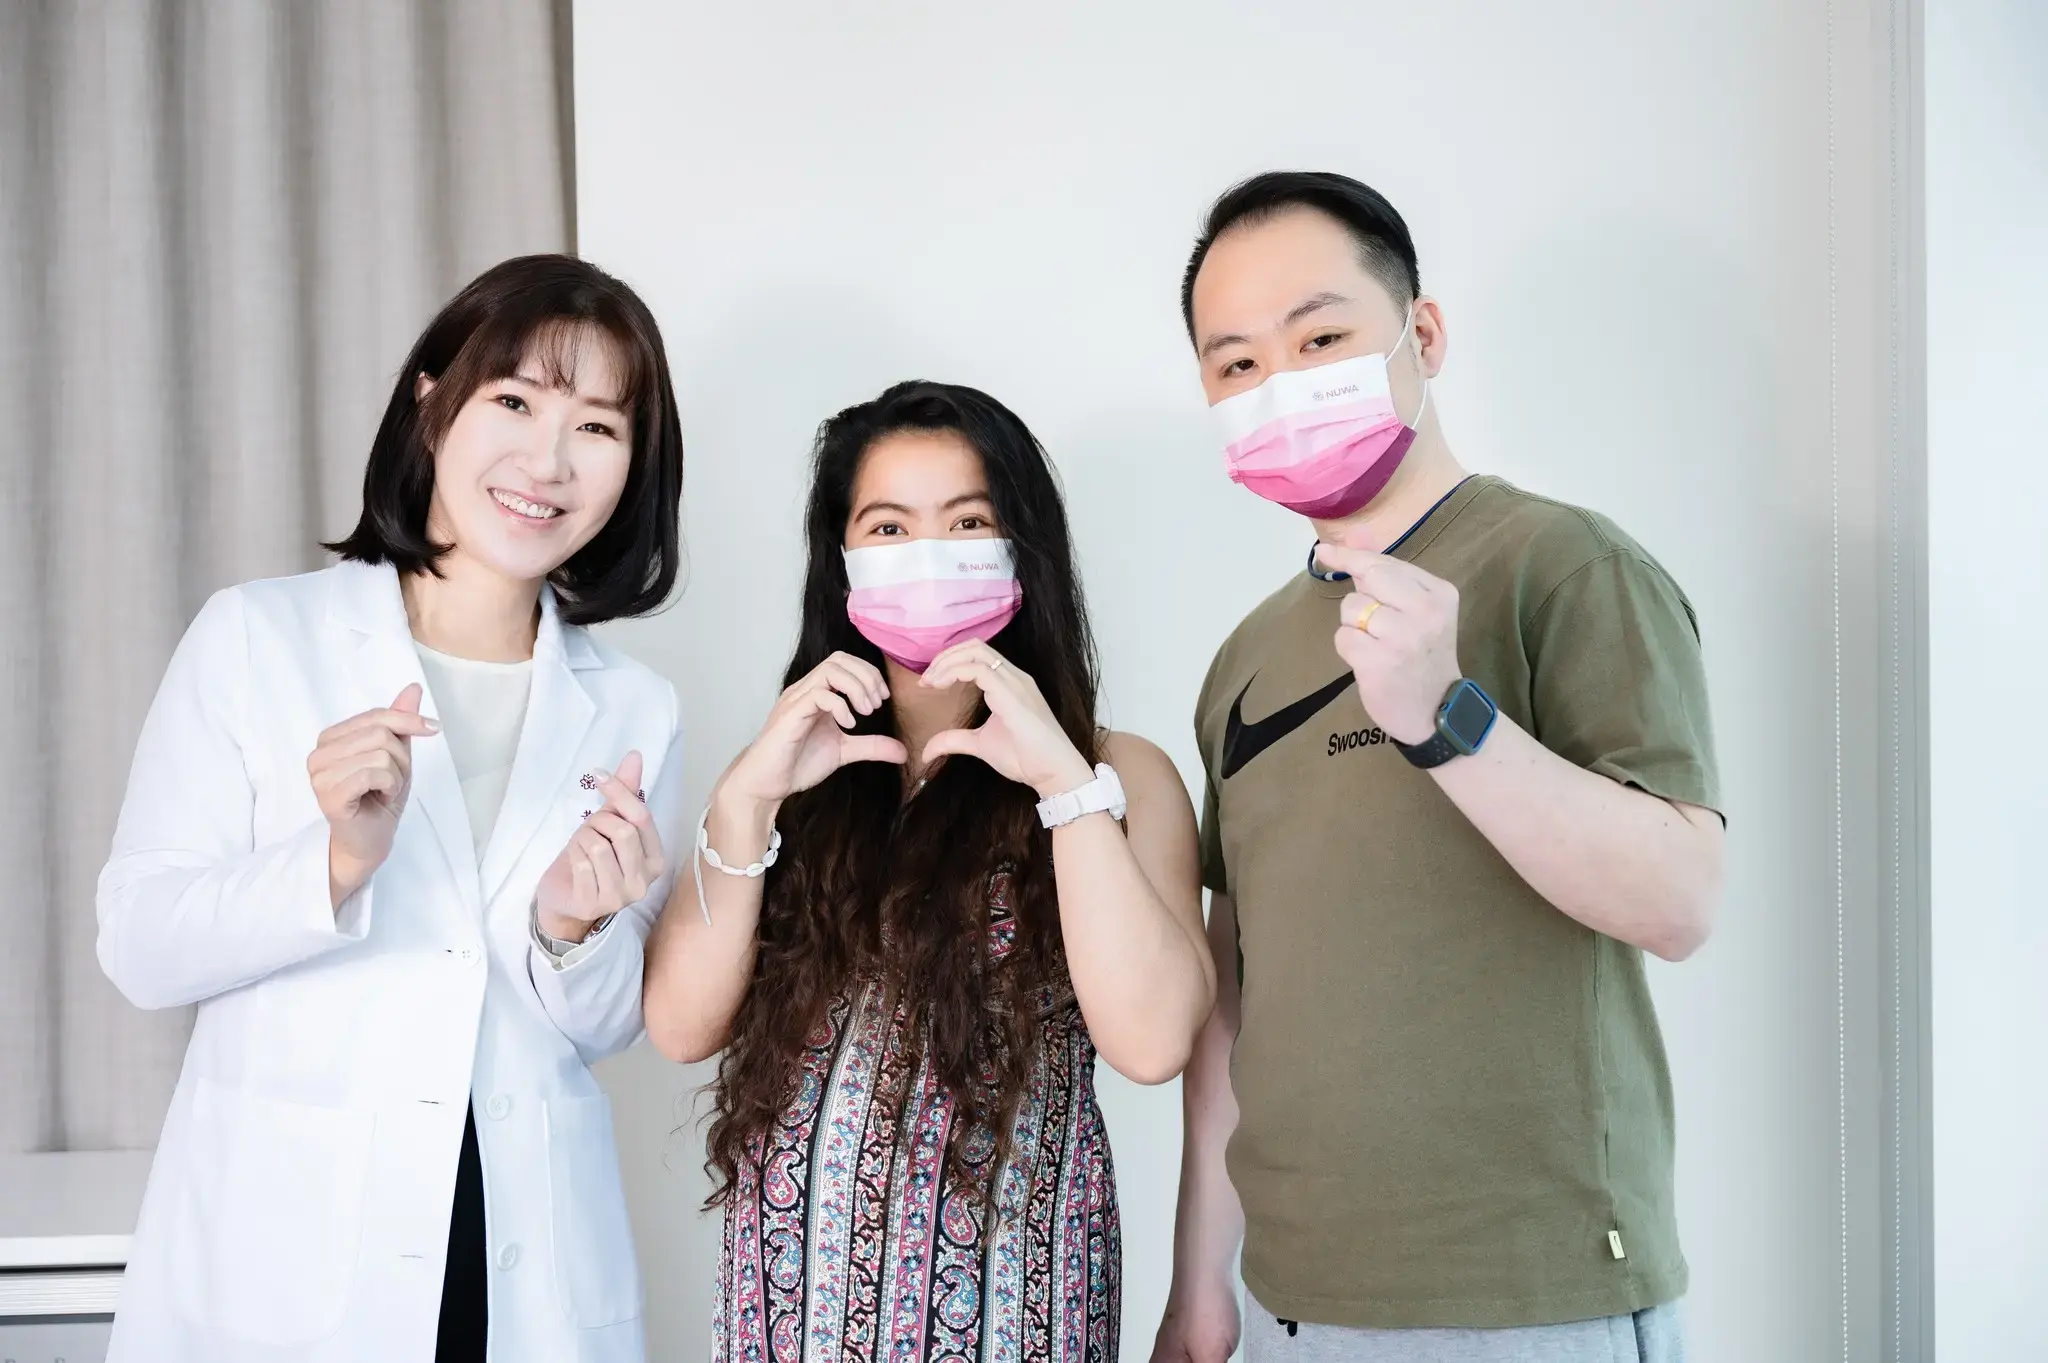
(1623,209)
(1987,607)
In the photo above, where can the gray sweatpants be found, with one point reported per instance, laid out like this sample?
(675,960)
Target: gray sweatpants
(1652,1336)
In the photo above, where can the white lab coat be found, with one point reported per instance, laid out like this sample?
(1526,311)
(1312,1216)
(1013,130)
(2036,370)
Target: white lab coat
(298,1207)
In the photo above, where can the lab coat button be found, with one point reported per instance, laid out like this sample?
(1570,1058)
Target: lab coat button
(468,955)
(508,1256)
(500,1106)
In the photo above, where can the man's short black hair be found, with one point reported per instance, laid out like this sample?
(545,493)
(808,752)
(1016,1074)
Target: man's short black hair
(1384,247)
(535,306)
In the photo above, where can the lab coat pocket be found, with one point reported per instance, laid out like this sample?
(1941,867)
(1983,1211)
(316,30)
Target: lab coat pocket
(269,1225)
(597,1274)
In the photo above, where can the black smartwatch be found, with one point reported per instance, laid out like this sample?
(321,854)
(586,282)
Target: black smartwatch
(1462,723)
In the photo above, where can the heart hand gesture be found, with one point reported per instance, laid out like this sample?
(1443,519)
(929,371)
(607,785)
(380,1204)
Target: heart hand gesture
(361,771)
(805,738)
(1021,738)
(1399,632)
(611,861)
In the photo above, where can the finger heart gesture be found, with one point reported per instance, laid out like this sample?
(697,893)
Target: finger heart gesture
(361,772)
(1398,630)
(808,735)
(611,861)
(1021,738)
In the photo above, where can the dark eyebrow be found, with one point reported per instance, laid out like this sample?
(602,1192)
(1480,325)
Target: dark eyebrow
(537,386)
(1217,342)
(902,510)
(1306,306)
(1314,304)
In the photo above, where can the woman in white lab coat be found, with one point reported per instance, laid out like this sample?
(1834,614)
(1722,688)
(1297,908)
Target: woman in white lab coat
(396,828)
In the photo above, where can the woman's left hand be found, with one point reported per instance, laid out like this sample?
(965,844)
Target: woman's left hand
(612,861)
(1021,738)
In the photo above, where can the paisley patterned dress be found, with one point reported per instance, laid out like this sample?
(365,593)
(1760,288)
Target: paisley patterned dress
(841,1243)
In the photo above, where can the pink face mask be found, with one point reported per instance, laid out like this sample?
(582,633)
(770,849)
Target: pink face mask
(916,600)
(1321,442)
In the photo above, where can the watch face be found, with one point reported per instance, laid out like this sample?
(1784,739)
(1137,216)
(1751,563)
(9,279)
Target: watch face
(1467,717)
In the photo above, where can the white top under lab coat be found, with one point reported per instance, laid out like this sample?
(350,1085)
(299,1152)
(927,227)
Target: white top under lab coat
(483,709)
(298,1207)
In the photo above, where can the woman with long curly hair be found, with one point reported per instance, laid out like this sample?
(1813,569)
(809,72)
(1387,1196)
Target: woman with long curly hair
(923,899)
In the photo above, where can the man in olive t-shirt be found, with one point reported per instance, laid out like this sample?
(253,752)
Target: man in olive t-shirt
(1460,777)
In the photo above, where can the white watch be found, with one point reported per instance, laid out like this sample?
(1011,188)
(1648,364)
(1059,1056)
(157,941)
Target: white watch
(1105,792)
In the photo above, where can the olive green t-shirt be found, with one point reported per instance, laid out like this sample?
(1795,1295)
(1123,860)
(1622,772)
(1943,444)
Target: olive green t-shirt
(1455,1108)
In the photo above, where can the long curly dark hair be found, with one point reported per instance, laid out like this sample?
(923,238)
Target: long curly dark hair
(862,867)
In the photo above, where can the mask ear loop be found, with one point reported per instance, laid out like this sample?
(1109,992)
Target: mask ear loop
(1400,342)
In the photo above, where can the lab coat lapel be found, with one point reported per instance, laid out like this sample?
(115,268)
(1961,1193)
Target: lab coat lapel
(368,600)
(559,713)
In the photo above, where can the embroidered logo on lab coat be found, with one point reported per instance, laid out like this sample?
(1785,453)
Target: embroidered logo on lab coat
(589,782)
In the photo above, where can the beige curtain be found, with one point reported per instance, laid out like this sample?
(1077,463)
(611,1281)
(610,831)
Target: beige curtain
(222,223)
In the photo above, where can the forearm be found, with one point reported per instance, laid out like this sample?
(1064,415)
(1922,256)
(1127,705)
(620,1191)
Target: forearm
(595,999)
(1210,1221)
(1618,860)
(593,992)
(697,971)
(177,927)
(1143,979)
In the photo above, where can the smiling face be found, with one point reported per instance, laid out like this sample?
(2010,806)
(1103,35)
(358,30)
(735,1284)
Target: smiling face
(533,464)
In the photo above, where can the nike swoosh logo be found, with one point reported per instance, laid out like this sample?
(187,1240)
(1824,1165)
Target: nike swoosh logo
(1242,742)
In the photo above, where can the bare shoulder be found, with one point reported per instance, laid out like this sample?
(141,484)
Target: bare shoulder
(1159,820)
(1143,766)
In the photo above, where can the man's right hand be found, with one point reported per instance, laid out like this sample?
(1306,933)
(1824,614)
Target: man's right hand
(1201,1325)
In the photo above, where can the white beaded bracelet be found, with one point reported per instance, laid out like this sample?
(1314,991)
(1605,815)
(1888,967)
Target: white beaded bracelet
(705,853)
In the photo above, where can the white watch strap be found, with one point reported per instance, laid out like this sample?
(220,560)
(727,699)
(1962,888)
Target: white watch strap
(1104,793)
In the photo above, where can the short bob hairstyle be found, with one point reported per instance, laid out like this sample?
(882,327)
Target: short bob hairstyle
(534,308)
